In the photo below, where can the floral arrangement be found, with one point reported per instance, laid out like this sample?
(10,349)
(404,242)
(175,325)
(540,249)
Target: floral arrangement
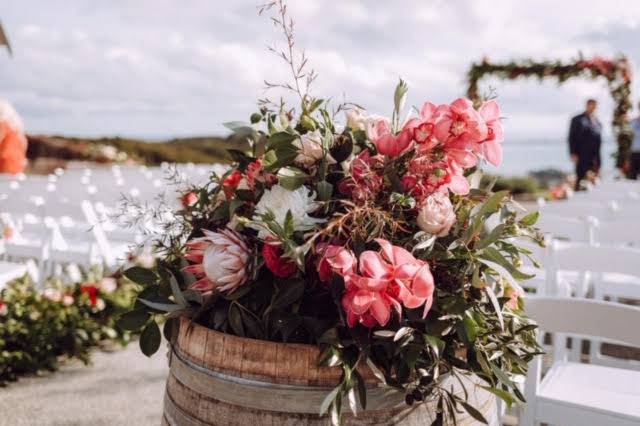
(367,236)
(616,71)
(39,327)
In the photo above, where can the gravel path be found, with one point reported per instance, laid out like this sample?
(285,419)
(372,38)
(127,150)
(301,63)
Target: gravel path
(121,387)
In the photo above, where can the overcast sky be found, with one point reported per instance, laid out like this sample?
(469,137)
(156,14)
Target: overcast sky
(161,68)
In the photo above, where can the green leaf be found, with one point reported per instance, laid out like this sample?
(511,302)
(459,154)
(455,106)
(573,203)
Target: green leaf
(473,412)
(492,237)
(150,339)
(436,344)
(280,140)
(470,327)
(235,320)
(500,393)
(325,190)
(496,305)
(493,203)
(239,127)
(169,329)
(501,375)
(493,255)
(362,389)
(330,357)
(328,400)
(177,293)
(133,320)
(530,219)
(291,178)
(289,291)
(165,307)
(141,275)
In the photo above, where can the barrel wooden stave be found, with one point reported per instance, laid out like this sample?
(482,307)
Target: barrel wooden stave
(220,379)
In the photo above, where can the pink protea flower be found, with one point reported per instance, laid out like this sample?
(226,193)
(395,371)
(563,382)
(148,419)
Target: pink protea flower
(386,280)
(490,148)
(219,260)
(459,125)
(379,132)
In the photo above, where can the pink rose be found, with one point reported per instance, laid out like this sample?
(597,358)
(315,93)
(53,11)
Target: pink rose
(436,215)
(513,292)
(4,309)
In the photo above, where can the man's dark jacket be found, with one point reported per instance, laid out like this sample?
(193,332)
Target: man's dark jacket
(585,140)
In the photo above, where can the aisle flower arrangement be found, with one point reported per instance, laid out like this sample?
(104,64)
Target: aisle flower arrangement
(368,236)
(39,328)
(369,239)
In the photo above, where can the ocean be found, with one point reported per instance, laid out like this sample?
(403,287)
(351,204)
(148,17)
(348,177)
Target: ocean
(522,157)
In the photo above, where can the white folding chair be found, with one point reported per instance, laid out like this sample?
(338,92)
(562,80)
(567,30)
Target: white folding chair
(618,232)
(612,272)
(573,394)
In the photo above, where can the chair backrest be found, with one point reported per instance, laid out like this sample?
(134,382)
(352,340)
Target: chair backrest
(566,228)
(597,259)
(580,209)
(586,317)
(618,232)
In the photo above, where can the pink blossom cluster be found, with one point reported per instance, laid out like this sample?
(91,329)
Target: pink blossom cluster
(445,139)
(379,282)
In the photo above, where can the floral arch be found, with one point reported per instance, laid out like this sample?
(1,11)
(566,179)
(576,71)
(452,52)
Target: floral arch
(616,71)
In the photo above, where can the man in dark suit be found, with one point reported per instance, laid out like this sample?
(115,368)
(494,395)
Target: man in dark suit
(584,142)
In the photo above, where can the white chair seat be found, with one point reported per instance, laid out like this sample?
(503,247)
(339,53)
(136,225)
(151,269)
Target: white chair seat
(591,390)
(618,285)
(9,271)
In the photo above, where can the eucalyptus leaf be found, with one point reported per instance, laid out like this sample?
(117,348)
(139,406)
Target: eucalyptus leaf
(133,320)
(165,307)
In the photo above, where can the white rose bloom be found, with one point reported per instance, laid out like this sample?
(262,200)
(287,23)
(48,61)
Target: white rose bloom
(436,216)
(279,201)
(310,149)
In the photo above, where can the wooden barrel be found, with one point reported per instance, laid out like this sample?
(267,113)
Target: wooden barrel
(220,379)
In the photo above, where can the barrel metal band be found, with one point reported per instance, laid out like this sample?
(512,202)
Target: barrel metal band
(267,396)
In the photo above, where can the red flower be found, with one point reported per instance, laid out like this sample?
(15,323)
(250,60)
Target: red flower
(230,183)
(189,199)
(90,290)
(280,266)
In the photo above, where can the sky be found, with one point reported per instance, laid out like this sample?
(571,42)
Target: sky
(164,68)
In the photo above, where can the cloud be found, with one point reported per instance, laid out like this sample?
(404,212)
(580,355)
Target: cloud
(157,68)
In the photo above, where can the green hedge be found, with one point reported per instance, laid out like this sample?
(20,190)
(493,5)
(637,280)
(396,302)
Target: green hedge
(38,328)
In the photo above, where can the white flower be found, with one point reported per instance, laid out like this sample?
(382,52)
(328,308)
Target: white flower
(310,149)
(356,119)
(108,285)
(436,215)
(279,201)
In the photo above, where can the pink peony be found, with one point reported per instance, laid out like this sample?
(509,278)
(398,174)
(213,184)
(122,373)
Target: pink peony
(386,280)
(335,259)
(436,215)
(459,125)
(385,141)
(490,148)
(219,260)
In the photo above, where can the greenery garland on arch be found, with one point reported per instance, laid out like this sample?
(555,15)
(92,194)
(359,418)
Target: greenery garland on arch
(616,71)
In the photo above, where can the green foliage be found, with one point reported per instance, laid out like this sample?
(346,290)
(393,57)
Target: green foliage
(36,330)
(518,185)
